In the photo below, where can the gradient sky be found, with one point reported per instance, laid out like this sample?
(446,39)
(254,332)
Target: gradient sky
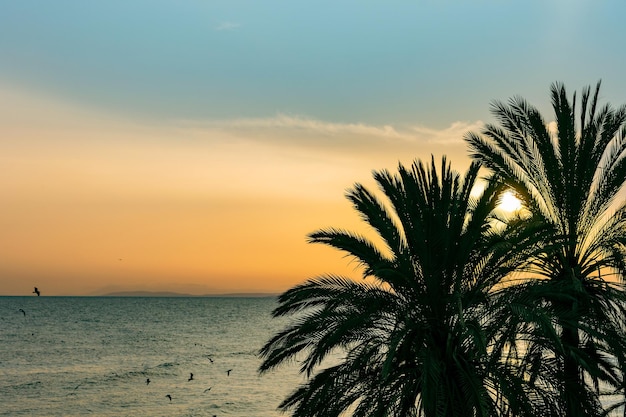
(191,145)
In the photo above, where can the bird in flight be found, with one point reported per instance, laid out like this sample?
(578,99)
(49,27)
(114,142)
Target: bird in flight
(190,376)
(169,396)
(228,372)
(208,389)
(147,381)
(37,292)
(23,312)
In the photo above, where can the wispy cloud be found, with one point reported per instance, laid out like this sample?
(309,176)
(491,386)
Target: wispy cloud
(286,147)
(284,121)
(301,131)
(227,26)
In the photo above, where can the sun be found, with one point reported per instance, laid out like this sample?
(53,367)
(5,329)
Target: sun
(509,202)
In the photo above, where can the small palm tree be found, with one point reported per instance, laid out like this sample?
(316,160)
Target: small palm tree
(569,176)
(419,336)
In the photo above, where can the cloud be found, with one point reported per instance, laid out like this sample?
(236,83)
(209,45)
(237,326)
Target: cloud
(356,140)
(305,125)
(227,26)
(284,121)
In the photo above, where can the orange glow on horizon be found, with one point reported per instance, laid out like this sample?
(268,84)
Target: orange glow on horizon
(93,204)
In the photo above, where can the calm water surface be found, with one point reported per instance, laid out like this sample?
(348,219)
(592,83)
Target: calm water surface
(80,356)
(77,356)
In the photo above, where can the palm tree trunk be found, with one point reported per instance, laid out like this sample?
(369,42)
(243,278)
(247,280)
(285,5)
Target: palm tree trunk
(572,394)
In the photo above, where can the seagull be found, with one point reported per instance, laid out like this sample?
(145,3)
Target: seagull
(147,381)
(23,312)
(36,292)
(169,396)
(228,372)
(190,376)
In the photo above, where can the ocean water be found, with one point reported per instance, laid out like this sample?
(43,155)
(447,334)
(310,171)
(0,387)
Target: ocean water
(79,356)
(82,356)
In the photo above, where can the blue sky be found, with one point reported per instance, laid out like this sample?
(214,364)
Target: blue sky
(426,62)
(199,141)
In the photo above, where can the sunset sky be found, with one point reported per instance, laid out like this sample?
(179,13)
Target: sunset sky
(190,146)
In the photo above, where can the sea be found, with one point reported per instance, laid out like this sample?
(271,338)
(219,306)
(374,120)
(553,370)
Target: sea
(81,356)
(93,356)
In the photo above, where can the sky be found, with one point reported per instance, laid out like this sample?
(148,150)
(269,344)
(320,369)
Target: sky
(191,146)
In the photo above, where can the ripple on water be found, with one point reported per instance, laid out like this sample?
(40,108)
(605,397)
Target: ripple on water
(75,356)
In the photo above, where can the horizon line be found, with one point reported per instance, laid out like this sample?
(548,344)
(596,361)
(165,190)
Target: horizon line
(143,294)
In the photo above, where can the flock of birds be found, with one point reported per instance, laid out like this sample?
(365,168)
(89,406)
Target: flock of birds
(168,396)
(191,379)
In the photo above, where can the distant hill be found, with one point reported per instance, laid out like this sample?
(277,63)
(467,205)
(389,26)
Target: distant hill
(177,294)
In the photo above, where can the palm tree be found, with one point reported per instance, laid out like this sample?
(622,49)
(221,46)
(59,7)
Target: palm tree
(569,174)
(419,335)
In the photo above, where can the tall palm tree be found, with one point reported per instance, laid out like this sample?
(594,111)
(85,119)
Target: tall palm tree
(570,175)
(416,337)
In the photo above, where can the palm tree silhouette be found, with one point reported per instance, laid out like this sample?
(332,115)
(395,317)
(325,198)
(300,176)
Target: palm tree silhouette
(420,335)
(569,175)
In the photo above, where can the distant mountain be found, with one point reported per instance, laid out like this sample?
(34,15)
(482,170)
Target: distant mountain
(177,294)
(146,294)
